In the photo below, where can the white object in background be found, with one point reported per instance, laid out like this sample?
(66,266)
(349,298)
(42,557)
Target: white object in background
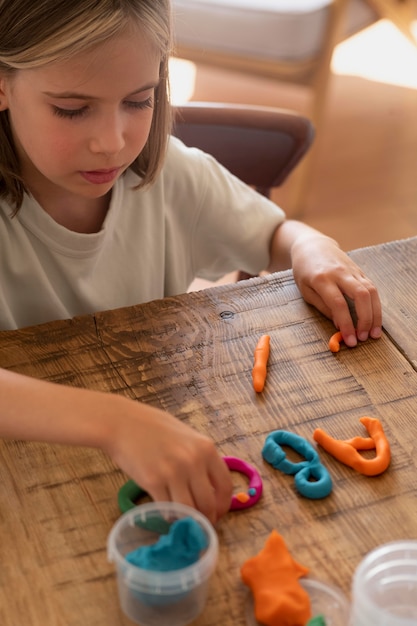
(280,30)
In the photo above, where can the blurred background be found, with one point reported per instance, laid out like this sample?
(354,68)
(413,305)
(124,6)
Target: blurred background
(363,183)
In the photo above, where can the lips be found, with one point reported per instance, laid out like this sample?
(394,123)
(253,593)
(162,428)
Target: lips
(100,177)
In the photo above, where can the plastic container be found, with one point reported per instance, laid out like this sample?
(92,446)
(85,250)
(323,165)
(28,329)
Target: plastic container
(326,600)
(329,601)
(153,598)
(384,589)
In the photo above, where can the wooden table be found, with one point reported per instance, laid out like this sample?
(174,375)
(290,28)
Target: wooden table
(192,355)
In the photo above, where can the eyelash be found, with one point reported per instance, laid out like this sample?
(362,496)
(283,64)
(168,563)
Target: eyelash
(74,113)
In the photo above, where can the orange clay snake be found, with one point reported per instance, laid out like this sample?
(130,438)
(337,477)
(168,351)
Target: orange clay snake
(261,357)
(347,451)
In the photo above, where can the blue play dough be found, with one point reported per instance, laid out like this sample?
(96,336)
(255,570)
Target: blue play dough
(304,471)
(179,548)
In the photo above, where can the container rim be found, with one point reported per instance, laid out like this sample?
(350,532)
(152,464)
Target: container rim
(171,581)
(392,548)
(373,568)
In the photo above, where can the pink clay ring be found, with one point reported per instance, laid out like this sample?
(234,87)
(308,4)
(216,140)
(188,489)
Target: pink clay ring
(244,500)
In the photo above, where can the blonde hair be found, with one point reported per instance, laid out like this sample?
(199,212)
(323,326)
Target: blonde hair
(34,33)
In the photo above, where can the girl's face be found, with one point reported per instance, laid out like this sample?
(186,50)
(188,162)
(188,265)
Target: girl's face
(79,124)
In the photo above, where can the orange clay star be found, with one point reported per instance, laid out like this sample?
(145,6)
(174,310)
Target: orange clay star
(347,451)
(273,576)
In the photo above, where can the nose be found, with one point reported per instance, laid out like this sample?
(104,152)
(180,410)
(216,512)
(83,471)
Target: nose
(107,135)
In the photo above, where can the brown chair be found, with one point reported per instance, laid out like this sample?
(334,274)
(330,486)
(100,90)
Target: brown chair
(259,145)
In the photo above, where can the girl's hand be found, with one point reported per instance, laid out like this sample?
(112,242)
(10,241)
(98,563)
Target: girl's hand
(168,459)
(325,276)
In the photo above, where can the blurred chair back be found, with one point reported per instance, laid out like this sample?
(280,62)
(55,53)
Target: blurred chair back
(259,145)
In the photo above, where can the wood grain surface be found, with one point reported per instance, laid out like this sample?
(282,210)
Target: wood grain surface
(192,355)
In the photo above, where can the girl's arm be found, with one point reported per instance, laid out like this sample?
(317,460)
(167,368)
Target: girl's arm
(325,275)
(168,459)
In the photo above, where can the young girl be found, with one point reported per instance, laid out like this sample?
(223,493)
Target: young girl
(100,208)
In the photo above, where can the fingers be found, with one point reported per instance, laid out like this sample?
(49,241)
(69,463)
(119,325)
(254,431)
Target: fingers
(222,483)
(168,459)
(367,307)
(326,276)
(332,303)
(369,312)
(159,493)
(201,480)
(208,489)
(329,297)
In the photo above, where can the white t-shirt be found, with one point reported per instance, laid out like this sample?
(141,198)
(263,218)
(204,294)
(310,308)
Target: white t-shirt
(196,220)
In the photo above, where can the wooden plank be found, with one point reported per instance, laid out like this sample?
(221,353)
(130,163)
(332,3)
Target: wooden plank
(393,268)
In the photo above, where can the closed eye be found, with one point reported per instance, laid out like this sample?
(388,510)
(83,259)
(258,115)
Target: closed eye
(70,113)
(80,112)
(143,104)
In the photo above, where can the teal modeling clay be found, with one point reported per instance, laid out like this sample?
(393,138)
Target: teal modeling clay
(179,548)
(312,480)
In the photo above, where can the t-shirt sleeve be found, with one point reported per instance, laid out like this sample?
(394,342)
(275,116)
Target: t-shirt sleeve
(231,224)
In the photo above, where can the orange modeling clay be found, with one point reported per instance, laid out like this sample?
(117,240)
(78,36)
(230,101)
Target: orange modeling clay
(334,341)
(273,575)
(260,362)
(347,451)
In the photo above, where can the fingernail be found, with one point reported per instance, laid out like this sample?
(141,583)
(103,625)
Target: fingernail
(376,332)
(351,341)
(363,336)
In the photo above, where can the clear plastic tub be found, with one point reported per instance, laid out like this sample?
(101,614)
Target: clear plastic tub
(384,590)
(154,598)
(326,600)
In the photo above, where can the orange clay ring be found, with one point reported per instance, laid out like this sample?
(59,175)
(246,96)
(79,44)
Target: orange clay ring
(244,500)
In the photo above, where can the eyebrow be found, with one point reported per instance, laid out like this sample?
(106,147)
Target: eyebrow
(68,95)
